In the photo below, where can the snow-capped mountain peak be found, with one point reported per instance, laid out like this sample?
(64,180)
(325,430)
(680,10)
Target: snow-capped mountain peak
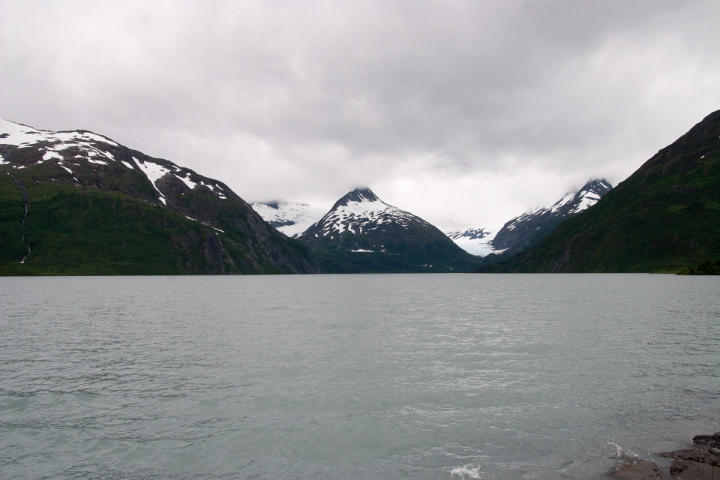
(363,233)
(591,193)
(358,195)
(526,229)
(361,210)
(586,197)
(24,136)
(82,156)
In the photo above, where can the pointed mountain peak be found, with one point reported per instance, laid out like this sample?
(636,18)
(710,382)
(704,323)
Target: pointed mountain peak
(363,233)
(527,229)
(587,196)
(597,185)
(360,194)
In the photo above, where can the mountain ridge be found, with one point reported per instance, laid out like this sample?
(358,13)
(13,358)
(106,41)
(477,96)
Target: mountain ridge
(529,227)
(663,217)
(526,229)
(84,203)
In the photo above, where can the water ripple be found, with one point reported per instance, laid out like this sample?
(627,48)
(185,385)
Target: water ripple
(370,376)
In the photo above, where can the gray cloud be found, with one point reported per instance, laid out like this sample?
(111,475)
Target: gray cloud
(464,112)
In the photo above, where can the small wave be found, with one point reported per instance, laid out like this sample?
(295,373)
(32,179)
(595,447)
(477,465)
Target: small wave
(621,453)
(466,472)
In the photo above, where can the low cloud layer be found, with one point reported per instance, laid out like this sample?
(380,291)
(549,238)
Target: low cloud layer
(463,112)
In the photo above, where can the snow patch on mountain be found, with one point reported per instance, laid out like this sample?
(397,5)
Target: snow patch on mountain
(50,154)
(586,200)
(51,144)
(559,204)
(153,172)
(471,233)
(571,203)
(580,200)
(23,136)
(206,224)
(186,180)
(216,189)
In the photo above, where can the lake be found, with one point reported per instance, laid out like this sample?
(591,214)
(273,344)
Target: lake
(353,376)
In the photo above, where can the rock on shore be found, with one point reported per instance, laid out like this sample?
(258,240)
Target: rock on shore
(702,462)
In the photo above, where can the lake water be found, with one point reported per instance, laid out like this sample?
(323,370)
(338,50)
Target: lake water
(353,376)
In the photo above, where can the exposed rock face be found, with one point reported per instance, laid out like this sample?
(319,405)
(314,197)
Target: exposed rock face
(709,441)
(637,470)
(689,470)
(699,463)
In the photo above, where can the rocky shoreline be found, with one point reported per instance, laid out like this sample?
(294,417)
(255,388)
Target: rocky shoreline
(702,462)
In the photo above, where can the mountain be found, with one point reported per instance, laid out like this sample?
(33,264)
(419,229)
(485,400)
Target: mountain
(476,241)
(527,229)
(664,217)
(361,233)
(75,202)
(292,219)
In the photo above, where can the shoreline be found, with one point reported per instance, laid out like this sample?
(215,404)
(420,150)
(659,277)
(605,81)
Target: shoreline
(701,462)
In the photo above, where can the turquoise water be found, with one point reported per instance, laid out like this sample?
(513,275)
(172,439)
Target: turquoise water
(353,376)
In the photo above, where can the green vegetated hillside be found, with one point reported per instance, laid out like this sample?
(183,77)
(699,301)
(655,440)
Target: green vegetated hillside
(77,203)
(410,252)
(705,268)
(664,217)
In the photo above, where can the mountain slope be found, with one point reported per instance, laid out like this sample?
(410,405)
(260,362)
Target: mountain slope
(527,229)
(74,202)
(663,217)
(361,233)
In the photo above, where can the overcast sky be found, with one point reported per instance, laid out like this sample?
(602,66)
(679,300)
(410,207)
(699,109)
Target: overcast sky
(463,112)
